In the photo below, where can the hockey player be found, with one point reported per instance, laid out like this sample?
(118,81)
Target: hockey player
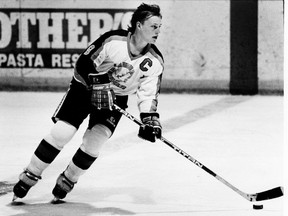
(116,65)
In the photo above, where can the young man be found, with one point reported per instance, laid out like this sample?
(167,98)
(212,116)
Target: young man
(117,64)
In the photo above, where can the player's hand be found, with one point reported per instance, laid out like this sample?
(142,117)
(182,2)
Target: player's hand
(102,96)
(152,128)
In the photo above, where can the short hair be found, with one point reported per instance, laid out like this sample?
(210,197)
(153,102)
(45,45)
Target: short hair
(142,13)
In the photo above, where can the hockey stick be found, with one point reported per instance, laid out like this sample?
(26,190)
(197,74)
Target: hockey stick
(265,195)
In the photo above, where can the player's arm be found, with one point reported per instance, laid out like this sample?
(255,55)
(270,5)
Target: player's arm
(96,81)
(92,73)
(90,60)
(147,103)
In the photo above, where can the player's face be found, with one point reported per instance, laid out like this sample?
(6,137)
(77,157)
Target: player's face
(150,29)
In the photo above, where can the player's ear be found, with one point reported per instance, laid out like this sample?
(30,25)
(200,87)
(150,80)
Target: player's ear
(138,25)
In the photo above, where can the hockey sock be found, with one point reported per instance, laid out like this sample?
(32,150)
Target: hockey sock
(42,157)
(81,161)
(46,152)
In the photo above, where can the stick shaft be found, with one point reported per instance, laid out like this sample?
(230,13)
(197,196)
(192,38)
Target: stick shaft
(270,194)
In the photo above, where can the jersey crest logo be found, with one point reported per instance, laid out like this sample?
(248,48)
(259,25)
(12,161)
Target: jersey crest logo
(122,72)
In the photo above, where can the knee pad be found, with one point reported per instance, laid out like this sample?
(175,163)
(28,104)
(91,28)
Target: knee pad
(60,134)
(94,139)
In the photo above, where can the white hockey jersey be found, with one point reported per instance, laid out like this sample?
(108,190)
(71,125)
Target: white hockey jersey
(128,74)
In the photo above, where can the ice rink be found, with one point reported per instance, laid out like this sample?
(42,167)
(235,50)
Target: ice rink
(238,137)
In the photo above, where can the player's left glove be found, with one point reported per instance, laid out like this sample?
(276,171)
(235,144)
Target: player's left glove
(102,96)
(152,128)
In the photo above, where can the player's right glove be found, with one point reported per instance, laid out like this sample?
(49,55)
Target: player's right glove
(152,128)
(102,96)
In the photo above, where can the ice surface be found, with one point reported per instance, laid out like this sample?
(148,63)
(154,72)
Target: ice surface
(238,137)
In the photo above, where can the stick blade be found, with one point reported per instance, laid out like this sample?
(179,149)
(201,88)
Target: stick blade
(270,194)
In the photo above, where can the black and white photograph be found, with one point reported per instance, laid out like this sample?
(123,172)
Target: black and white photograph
(149,108)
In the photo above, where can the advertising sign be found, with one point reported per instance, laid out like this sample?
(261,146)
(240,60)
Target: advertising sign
(53,38)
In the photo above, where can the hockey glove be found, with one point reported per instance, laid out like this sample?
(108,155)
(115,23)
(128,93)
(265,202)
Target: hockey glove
(152,128)
(102,96)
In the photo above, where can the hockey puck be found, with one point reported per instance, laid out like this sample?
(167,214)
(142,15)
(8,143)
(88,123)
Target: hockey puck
(257,207)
